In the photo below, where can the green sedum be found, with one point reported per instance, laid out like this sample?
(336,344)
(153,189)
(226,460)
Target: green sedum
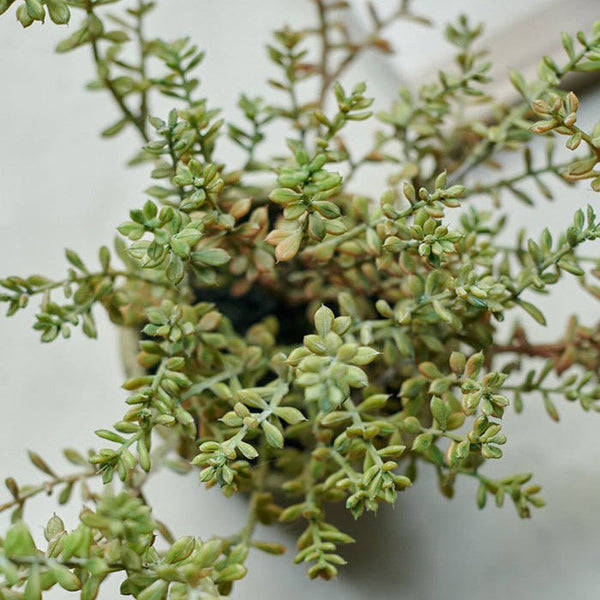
(367,342)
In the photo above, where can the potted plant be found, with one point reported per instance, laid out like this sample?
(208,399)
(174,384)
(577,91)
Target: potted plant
(299,342)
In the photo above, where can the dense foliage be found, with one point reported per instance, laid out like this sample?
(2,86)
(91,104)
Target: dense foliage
(367,341)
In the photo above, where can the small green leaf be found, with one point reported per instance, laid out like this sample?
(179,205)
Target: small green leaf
(114,128)
(289,414)
(532,310)
(211,257)
(75,259)
(324,319)
(273,436)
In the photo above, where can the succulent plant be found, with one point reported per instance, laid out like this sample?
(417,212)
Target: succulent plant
(300,342)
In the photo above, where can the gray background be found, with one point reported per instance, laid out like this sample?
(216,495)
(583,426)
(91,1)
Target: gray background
(61,185)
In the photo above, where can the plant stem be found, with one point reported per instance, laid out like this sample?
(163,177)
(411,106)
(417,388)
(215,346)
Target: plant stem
(47,486)
(138,122)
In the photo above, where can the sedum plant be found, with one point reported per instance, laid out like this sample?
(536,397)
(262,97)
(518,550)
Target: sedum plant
(301,343)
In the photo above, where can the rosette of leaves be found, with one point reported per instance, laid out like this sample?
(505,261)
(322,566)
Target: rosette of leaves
(299,342)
